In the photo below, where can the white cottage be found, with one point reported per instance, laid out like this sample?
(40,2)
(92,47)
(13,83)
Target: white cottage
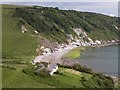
(52,67)
(49,67)
(98,42)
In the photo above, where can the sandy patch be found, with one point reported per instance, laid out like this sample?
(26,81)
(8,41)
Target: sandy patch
(73,71)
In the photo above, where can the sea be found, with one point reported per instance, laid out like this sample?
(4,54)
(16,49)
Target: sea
(101,59)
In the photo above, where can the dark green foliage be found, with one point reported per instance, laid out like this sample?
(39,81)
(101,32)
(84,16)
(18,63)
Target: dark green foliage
(52,81)
(78,68)
(9,67)
(43,73)
(97,80)
(12,60)
(105,80)
(55,23)
(58,72)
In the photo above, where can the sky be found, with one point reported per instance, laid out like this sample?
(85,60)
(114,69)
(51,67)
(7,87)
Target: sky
(104,7)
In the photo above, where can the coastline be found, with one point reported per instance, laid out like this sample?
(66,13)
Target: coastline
(105,44)
(74,53)
(57,57)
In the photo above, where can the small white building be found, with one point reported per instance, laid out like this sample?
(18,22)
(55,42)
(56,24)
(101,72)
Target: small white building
(49,67)
(42,47)
(24,29)
(90,41)
(36,31)
(47,50)
(112,41)
(52,67)
(97,42)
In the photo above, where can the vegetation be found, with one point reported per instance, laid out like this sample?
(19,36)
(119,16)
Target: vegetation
(76,79)
(15,45)
(54,24)
(17,51)
(78,67)
(12,78)
(74,53)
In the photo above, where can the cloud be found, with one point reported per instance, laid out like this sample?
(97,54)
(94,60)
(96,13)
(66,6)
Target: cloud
(59,0)
(109,8)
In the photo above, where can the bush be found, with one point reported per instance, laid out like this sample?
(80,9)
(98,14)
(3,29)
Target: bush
(103,80)
(58,72)
(9,67)
(83,79)
(43,73)
(78,68)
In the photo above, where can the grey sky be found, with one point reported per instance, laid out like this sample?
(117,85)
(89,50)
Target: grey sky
(109,8)
(60,0)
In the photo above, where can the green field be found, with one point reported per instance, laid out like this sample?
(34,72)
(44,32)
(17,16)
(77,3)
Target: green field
(65,80)
(74,53)
(16,49)
(71,78)
(14,43)
(17,79)
(19,49)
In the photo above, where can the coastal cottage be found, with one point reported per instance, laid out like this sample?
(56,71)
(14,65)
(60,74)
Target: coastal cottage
(97,42)
(42,47)
(24,29)
(112,41)
(53,67)
(46,50)
(50,68)
(36,31)
(91,41)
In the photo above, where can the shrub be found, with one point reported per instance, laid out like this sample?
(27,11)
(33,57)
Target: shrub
(9,67)
(78,68)
(43,73)
(58,72)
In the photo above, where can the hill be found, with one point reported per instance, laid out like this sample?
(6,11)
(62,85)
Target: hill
(54,24)
(25,28)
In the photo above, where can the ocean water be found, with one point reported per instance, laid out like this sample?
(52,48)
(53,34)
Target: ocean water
(102,59)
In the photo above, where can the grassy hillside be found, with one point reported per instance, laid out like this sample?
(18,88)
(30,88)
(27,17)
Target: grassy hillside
(72,78)
(18,48)
(17,79)
(55,23)
(15,44)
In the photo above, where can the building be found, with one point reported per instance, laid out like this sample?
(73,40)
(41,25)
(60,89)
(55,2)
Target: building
(46,50)
(91,41)
(49,67)
(97,42)
(53,67)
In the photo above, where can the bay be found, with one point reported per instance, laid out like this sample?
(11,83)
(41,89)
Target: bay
(102,59)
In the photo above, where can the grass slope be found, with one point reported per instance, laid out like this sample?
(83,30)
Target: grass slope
(15,44)
(74,53)
(70,78)
(54,24)
(17,48)
(66,80)
(17,79)
(20,48)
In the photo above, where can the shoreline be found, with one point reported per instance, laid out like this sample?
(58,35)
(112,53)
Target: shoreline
(56,57)
(65,50)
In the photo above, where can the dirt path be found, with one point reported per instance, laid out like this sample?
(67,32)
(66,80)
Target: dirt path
(55,56)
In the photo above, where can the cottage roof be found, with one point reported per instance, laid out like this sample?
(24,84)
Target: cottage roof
(52,66)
